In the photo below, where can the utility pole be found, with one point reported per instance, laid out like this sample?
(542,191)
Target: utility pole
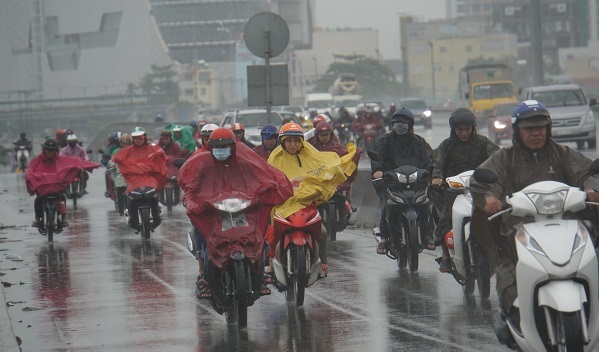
(432,68)
(536,44)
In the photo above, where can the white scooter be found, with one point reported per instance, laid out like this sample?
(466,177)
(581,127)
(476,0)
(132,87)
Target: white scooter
(556,273)
(22,157)
(469,265)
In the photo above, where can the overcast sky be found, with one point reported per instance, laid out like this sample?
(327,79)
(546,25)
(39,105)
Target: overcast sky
(380,14)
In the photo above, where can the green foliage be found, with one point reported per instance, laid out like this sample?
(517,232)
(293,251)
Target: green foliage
(376,79)
(160,82)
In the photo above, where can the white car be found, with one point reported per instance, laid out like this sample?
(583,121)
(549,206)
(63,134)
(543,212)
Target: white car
(253,120)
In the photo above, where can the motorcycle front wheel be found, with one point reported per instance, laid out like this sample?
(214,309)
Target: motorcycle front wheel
(239,313)
(50,221)
(331,220)
(145,223)
(169,200)
(413,248)
(299,280)
(74,193)
(568,332)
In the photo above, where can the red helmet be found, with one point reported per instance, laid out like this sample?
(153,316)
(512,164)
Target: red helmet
(221,136)
(320,118)
(324,128)
(237,127)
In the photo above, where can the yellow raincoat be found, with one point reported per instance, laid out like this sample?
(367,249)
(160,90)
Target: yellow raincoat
(318,174)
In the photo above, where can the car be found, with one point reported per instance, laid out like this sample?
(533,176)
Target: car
(422,112)
(210,115)
(499,122)
(298,110)
(572,118)
(253,120)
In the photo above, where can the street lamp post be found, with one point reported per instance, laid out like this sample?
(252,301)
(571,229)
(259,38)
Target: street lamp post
(432,67)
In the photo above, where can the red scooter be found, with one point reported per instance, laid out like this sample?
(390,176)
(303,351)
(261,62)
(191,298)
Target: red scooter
(297,262)
(234,233)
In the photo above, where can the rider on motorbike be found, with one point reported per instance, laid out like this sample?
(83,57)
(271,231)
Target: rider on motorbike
(23,141)
(74,149)
(533,157)
(113,144)
(464,150)
(318,173)
(399,147)
(367,118)
(183,137)
(170,148)
(227,168)
(239,132)
(324,142)
(142,165)
(50,173)
(270,140)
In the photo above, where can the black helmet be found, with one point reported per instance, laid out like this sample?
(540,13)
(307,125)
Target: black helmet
(50,144)
(462,116)
(403,115)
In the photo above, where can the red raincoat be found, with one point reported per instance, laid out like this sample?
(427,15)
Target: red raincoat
(142,166)
(46,176)
(244,175)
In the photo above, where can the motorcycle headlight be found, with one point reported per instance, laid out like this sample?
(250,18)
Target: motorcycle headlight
(548,203)
(401,178)
(232,205)
(528,241)
(581,238)
(499,125)
(413,177)
(427,113)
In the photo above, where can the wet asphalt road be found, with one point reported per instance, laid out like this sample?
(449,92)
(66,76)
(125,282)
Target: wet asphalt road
(100,287)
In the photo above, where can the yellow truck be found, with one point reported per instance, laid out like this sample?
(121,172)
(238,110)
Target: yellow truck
(484,86)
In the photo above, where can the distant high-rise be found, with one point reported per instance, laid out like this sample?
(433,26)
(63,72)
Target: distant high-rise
(464,8)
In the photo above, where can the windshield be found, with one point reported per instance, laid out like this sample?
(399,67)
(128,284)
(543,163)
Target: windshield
(505,109)
(414,104)
(561,98)
(258,119)
(320,104)
(493,91)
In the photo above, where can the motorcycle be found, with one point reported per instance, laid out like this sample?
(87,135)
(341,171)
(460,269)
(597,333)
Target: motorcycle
(296,262)
(407,208)
(235,248)
(556,272)
(335,213)
(140,200)
(170,194)
(470,267)
(344,133)
(76,189)
(369,136)
(54,211)
(22,157)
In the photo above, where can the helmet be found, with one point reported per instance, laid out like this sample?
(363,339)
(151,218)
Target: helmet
(114,136)
(166,133)
(177,128)
(320,118)
(125,139)
(68,131)
(462,116)
(291,129)
(207,129)
(23,134)
(403,114)
(71,138)
(530,113)
(138,131)
(324,128)
(50,144)
(269,131)
(193,123)
(237,127)
(221,136)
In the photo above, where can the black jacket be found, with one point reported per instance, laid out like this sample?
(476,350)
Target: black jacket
(395,151)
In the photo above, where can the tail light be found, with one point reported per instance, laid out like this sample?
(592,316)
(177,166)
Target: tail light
(449,239)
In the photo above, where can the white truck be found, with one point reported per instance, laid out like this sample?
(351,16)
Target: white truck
(320,101)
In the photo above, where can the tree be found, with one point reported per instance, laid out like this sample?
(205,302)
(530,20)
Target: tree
(159,82)
(376,79)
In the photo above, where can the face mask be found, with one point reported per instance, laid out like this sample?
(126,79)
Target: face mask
(221,153)
(401,128)
(72,144)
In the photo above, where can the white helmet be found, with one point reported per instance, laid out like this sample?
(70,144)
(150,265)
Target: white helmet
(72,138)
(207,129)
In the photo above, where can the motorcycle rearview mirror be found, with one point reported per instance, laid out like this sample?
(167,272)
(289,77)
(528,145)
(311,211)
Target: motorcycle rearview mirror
(179,162)
(484,176)
(89,151)
(594,169)
(101,151)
